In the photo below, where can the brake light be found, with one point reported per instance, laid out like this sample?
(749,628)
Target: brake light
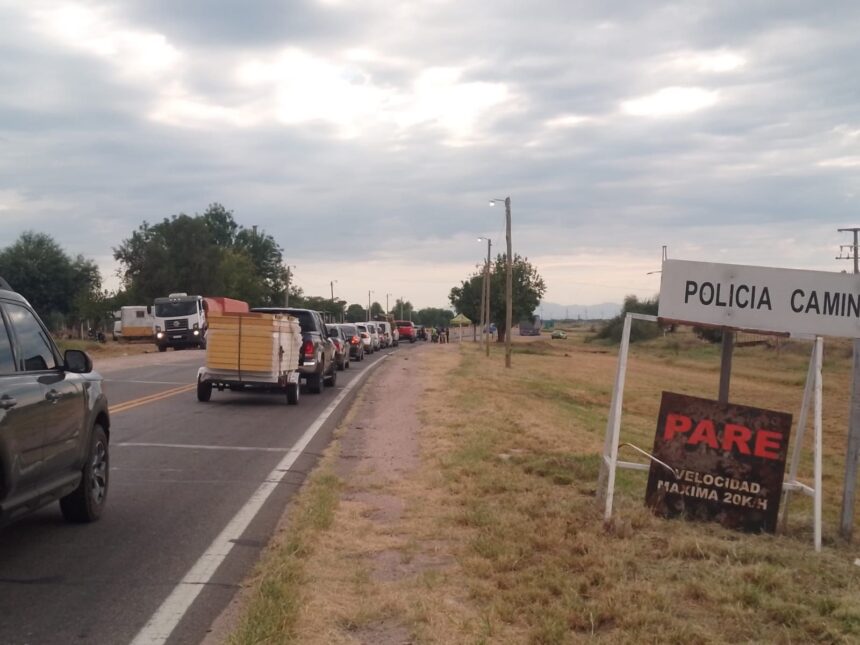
(364,334)
(308,348)
(354,340)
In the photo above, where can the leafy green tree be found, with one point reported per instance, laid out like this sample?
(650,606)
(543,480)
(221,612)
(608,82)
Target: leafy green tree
(61,288)
(402,310)
(466,298)
(207,254)
(527,289)
(376,309)
(356,313)
(434,317)
(639,329)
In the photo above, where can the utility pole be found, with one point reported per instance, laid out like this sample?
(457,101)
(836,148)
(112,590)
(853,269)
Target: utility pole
(368,304)
(387,310)
(852,456)
(401,307)
(287,293)
(509,290)
(487,296)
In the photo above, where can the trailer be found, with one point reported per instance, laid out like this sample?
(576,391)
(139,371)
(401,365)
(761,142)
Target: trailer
(251,351)
(134,322)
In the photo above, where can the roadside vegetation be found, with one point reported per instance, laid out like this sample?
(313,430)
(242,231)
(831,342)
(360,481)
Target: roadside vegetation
(505,502)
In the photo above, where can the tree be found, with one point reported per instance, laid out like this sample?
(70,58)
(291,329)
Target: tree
(640,329)
(527,289)
(376,310)
(356,313)
(402,310)
(61,288)
(434,317)
(207,254)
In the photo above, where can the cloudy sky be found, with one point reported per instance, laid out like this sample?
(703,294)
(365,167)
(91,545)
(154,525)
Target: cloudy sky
(368,135)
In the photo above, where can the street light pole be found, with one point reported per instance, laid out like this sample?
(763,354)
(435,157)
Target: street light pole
(387,310)
(508,281)
(368,304)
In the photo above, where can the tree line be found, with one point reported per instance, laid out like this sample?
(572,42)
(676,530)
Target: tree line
(207,253)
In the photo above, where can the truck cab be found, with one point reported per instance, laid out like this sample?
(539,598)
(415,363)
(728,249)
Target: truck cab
(180,321)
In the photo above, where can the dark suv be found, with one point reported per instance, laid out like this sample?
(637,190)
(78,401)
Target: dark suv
(54,421)
(317,364)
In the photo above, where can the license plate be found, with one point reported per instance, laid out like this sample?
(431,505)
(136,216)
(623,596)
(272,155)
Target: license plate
(293,377)
(177,338)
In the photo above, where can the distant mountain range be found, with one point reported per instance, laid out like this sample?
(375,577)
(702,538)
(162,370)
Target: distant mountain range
(555,311)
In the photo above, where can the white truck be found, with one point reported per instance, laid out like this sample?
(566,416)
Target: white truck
(180,321)
(134,322)
(251,351)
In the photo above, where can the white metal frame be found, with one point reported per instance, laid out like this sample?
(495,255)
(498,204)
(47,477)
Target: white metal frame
(811,394)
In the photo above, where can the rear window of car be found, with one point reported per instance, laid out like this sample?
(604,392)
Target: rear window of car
(349,330)
(361,327)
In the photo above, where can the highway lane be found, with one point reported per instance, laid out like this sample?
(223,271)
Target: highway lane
(180,471)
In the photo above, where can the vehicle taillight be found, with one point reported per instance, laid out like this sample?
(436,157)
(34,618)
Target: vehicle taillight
(364,334)
(308,348)
(354,340)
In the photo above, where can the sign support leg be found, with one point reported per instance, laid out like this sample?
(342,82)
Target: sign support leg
(852,455)
(799,435)
(726,365)
(818,443)
(606,482)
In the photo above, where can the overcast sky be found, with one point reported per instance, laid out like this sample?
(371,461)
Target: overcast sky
(367,136)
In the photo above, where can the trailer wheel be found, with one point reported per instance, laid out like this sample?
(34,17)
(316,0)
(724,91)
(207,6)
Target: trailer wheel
(293,393)
(204,390)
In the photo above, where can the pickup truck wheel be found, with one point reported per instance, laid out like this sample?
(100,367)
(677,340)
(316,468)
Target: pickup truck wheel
(332,379)
(292,393)
(162,348)
(204,390)
(315,383)
(87,501)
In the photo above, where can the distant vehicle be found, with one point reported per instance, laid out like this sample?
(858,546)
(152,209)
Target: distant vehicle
(54,423)
(356,347)
(134,322)
(530,326)
(385,336)
(392,328)
(180,319)
(558,334)
(373,330)
(406,328)
(317,364)
(366,339)
(341,346)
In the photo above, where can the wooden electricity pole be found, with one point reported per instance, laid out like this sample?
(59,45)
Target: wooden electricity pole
(852,455)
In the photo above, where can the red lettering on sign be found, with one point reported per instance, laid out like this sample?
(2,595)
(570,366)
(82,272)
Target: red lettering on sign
(737,435)
(767,444)
(704,432)
(675,424)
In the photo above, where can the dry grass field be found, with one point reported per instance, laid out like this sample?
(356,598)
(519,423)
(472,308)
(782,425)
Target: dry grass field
(500,541)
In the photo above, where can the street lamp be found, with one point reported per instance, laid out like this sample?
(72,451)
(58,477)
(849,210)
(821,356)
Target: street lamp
(368,304)
(387,310)
(485,296)
(508,279)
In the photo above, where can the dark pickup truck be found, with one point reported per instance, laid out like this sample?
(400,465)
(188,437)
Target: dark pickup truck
(317,364)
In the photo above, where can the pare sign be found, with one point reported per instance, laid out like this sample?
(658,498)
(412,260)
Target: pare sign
(725,462)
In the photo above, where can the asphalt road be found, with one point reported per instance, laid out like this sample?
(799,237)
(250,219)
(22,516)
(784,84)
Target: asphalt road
(180,471)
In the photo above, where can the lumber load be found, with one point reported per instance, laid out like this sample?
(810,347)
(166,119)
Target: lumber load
(253,345)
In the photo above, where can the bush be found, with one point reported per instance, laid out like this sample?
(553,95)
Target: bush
(640,329)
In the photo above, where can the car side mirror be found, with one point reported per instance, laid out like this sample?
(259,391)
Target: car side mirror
(77,362)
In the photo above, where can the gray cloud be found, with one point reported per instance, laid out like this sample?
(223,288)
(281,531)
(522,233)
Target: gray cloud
(162,108)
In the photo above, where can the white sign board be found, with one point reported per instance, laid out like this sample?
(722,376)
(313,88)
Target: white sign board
(800,303)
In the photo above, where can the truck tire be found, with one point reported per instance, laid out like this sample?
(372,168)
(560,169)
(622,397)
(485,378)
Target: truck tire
(204,390)
(87,501)
(315,383)
(292,393)
(162,348)
(332,379)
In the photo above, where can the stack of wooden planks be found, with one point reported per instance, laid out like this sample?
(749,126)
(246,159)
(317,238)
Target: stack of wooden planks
(253,344)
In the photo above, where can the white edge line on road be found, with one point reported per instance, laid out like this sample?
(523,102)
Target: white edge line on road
(133,444)
(165,619)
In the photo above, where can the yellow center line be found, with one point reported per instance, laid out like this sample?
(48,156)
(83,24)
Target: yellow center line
(158,396)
